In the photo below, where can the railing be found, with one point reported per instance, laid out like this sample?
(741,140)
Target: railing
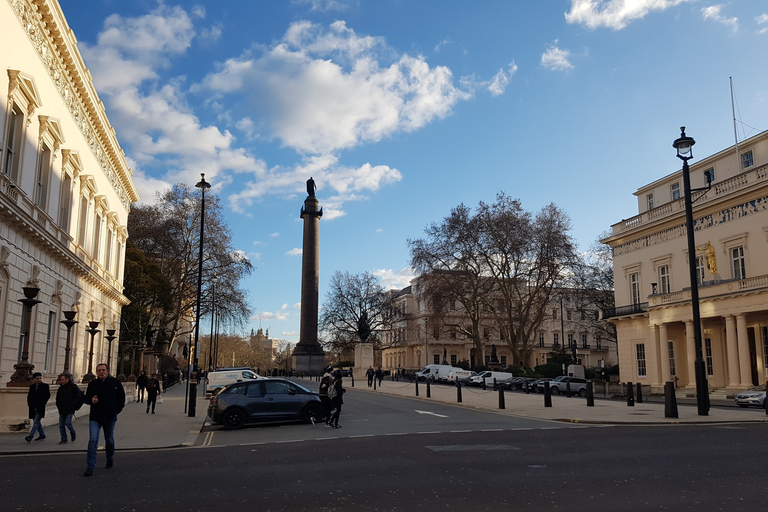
(633,309)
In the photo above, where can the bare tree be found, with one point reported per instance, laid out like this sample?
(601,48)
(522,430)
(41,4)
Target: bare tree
(593,282)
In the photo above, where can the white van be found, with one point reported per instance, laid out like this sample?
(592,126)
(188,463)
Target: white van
(218,379)
(431,371)
(488,377)
(459,373)
(443,372)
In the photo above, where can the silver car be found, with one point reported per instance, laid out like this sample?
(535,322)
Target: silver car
(753,396)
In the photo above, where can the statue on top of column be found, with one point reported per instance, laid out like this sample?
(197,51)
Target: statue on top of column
(311,187)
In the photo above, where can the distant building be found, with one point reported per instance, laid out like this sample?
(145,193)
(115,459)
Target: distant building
(652,283)
(65,193)
(419,338)
(263,343)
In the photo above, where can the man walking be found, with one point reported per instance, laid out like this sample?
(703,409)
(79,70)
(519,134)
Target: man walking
(153,388)
(370,374)
(37,398)
(106,397)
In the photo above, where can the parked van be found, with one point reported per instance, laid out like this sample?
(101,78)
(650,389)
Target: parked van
(488,377)
(221,378)
(443,372)
(431,371)
(459,373)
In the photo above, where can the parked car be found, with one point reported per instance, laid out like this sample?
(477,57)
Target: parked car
(516,383)
(559,385)
(263,400)
(538,386)
(215,381)
(458,374)
(488,377)
(753,396)
(431,371)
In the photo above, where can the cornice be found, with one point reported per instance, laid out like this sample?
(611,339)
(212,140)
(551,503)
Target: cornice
(45,25)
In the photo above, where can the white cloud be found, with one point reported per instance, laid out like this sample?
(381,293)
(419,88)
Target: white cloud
(322,89)
(274,235)
(294,252)
(762,20)
(296,307)
(614,14)
(268,315)
(327,5)
(556,59)
(499,82)
(395,280)
(714,13)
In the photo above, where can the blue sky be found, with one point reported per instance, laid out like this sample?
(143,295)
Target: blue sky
(401,110)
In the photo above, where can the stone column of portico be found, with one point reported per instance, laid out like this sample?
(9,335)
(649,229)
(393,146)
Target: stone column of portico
(666,373)
(690,350)
(732,349)
(654,356)
(743,340)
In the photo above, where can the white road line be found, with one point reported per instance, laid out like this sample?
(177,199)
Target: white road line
(459,431)
(290,441)
(365,435)
(492,430)
(433,432)
(397,434)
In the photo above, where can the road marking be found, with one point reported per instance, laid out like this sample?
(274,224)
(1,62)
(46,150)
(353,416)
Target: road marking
(397,434)
(290,441)
(365,435)
(459,431)
(551,428)
(433,432)
(492,430)
(522,428)
(431,413)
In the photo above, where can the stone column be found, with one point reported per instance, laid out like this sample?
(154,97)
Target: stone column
(690,350)
(308,356)
(732,351)
(743,341)
(653,369)
(666,372)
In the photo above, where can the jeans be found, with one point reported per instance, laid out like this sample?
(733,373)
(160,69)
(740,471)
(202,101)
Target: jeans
(93,440)
(141,393)
(37,426)
(65,423)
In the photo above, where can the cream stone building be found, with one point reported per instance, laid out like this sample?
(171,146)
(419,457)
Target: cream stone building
(65,193)
(420,339)
(652,283)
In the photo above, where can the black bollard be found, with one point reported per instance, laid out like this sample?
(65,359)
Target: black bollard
(495,384)
(639,393)
(417,387)
(483,385)
(429,391)
(590,395)
(765,402)
(630,395)
(458,391)
(568,389)
(670,400)
(374,382)
(547,395)
(353,379)
(527,387)
(501,398)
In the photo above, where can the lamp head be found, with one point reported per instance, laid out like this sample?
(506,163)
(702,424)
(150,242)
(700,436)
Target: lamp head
(684,145)
(202,184)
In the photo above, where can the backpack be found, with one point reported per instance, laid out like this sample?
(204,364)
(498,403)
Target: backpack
(332,392)
(151,385)
(79,399)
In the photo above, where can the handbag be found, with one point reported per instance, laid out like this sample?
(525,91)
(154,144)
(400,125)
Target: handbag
(159,398)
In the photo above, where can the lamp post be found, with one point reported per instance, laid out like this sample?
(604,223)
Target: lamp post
(202,185)
(110,338)
(92,330)
(69,321)
(684,146)
(211,365)
(23,374)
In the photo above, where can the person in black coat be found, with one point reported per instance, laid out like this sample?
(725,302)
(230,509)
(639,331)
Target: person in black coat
(69,398)
(153,388)
(141,383)
(106,397)
(37,398)
(335,392)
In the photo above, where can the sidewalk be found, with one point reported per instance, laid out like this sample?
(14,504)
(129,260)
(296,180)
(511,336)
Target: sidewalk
(573,410)
(170,426)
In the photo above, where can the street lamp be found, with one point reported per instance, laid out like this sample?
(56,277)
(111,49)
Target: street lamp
(23,374)
(211,366)
(202,185)
(92,330)
(69,321)
(684,146)
(110,338)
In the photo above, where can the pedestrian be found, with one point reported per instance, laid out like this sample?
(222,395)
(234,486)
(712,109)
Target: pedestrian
(69,399)
(106,397)
(153,388)
(37,397)
(141,384)
(165,382)
(334,392)
(370,374)
(325,382)
(379,375)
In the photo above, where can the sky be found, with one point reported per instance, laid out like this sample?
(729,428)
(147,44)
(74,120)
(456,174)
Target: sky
(401,110)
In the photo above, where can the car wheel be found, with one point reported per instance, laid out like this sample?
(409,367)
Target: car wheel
(233,419)
(513,387)
(554,390)
(312,410)
(582,393)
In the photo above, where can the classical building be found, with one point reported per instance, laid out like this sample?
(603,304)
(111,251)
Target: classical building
(652,282)
(263,343)
(65,193)
(419,338)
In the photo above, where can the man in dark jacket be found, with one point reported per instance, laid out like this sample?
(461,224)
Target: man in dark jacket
(153,388)
(141,383)
(37,398)
(106,397)
(69,398)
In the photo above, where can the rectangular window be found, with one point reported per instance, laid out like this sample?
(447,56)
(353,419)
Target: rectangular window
(708,355)
(436,333)
(765,346)
(50,333)
(675,191)
(118,260)
(108,253)
(453,360)
(746,160)
(598,342)
(709,176)
(13,142)
(96,238)
(583,315)
(568,314)
(650,201)
(640,349)
(541,343)
(584,342)
(737,263)
(664,279)
(554,314)
(436,359)
(557,339)
(486,333)
(65,202)
(43,177)
(634,287)
(671,351)
(570,339)
(83,221)
(503,361)
(700,269)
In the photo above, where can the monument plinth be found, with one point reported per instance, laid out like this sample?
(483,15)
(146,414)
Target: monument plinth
(308,356)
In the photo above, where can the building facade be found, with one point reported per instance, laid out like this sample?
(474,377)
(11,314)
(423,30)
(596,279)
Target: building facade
(420,338)
(65,194)
(652,283)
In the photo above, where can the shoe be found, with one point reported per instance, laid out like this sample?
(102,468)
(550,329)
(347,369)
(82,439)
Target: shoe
(153,412)
(63,441)
(147,410)
(74,436)
(28,439)
(40,438)
(110,463)
(328,425)
(312,419)
(337,426)
(88,472)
